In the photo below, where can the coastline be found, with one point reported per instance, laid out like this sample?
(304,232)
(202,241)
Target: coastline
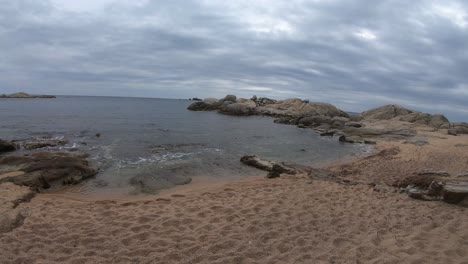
(291,219)
(357,211)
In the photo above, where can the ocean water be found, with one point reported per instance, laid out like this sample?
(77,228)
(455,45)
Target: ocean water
(161,139)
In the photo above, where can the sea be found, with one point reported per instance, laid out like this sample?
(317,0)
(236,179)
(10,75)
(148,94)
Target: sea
(161,139)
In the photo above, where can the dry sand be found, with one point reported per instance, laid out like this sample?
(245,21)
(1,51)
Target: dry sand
(288,220)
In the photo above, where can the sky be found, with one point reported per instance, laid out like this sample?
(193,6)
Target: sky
(355,54)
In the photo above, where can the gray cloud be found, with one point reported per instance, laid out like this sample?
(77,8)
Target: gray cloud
(349,53)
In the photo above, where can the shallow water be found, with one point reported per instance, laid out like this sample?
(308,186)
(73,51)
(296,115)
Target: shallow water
(160,138)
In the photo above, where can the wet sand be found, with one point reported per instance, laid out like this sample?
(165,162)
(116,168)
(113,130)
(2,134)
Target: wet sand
(292,219)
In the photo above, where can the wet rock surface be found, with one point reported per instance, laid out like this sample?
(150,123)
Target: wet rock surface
(43,169)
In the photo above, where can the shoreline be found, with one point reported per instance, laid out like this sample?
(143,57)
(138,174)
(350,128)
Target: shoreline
(354,210)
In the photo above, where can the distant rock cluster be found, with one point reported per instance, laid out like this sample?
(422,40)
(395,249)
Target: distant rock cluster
(25,95)
(328,120)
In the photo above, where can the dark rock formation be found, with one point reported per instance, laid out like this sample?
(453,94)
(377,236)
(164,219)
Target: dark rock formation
(25,95)
(388,112)
(41,170)
(7,146)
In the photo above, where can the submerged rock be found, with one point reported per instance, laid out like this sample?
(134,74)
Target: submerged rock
(152,183)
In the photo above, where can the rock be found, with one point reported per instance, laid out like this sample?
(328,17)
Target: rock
(270,166)
(250,103)
(211,101)
(354,139)
(460,128)
(43,169)
(434,173)
(275,172)
(298,108)
(419,194)
(25,95)
(254,161)
(339,121)
(388,112)
(237,109)
(230,98)
(285,120)
(312,121)
(455,192)
(353,124)
(327,133)
(7,146)
(452,132)
(41,143)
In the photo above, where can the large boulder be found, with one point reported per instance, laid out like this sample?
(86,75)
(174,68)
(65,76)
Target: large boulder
(315,120)
(229,98)
(400,113)
(237,109)
(247,102)
(7,146)
(43,169)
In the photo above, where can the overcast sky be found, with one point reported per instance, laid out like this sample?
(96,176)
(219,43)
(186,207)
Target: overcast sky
(355,54)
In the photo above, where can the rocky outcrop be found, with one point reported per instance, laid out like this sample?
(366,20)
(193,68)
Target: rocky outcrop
(25,95)
(328,120)
(7,146)
(388,112)
(459,128)
(436,186)
(45,169)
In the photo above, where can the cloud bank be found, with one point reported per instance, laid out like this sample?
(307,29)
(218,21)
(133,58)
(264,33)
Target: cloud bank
(350,53)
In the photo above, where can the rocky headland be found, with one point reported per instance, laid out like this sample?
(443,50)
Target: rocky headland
(25,95)
(388,123)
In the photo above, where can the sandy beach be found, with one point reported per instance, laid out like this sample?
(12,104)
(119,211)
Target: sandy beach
(291,219)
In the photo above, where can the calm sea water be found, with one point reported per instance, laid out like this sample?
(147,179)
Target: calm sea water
(159,137)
